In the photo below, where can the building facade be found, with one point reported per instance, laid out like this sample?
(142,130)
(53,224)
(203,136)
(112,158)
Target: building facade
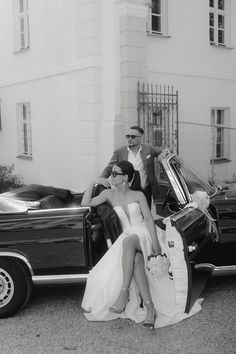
(69,74)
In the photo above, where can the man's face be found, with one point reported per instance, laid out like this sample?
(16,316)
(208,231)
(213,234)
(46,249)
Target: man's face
(133,137)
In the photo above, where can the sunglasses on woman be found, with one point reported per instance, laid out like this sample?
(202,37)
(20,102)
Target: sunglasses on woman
(114,174)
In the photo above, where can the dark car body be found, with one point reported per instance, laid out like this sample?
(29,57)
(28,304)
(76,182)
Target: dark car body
(59,245)
(182,181)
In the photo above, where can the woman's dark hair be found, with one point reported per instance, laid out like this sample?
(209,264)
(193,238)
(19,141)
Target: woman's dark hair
(133,175)
(127,168)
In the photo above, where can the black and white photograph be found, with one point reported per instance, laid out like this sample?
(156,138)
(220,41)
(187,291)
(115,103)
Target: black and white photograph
(118,176)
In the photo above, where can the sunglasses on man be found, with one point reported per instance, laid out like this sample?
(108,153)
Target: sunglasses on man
(128,136)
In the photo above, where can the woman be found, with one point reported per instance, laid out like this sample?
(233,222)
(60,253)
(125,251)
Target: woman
(121,279)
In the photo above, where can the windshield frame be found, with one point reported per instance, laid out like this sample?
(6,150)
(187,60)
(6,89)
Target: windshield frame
(175,169)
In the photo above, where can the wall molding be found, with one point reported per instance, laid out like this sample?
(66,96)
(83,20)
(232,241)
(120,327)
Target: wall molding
(193,73)
(82,64)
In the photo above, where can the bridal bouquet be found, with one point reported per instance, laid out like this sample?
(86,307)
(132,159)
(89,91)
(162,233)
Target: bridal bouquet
(158,264)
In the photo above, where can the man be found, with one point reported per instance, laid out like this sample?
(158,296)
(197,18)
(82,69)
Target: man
(142,157)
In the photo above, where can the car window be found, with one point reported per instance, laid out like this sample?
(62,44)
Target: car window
(163,181)
(160,173)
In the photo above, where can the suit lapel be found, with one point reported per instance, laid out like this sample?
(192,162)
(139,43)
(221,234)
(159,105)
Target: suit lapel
(143,154)
(124,153)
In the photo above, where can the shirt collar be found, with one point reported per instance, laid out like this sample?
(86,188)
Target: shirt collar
(140,148)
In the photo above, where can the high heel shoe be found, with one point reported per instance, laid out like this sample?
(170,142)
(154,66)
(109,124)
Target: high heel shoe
(121,301)
(150,316)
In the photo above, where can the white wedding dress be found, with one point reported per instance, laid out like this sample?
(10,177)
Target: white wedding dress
(105,280)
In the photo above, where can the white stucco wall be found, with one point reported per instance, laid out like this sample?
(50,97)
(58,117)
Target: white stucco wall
(70,77)
(204,75)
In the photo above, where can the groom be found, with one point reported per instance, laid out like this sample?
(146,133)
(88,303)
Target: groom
(142,156)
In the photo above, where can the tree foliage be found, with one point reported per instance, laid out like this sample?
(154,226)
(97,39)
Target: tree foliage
(8,180)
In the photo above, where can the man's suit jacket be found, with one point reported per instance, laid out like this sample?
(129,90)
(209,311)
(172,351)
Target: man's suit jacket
(148,152)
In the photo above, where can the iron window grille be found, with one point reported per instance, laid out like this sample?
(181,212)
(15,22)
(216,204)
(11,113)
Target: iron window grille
(22,25)
(25,132)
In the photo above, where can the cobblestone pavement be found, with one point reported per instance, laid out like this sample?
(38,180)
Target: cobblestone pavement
(53,323)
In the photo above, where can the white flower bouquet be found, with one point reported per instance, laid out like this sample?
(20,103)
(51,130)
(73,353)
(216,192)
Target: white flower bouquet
(158,264)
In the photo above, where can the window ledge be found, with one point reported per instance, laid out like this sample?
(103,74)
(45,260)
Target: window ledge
(221,46)
(22,50)
(25,157)
(220,160)
(159,35)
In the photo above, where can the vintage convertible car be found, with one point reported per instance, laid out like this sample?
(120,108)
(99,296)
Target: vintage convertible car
(46,238)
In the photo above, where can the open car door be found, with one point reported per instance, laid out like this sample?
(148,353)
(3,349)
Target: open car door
(187,234)
(188,226)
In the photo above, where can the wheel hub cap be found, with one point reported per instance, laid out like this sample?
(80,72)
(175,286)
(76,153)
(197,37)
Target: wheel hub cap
(6,287)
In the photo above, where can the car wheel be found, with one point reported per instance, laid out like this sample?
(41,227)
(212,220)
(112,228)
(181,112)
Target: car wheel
(15,287)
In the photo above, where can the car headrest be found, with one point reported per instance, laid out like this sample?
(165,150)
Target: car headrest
(97,189)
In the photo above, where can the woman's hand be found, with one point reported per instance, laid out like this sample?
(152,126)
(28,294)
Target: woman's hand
(156,251)
(156,247)
(104,181)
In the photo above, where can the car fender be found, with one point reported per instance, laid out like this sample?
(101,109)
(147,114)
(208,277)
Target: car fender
(17,255)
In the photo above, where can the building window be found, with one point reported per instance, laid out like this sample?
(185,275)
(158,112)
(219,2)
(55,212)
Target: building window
(219,22)
(22,24)
(24,129)
(220,134)
(157,18)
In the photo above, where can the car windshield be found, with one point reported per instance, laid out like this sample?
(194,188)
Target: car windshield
(193,180)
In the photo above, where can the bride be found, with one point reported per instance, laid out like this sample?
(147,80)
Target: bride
(121,281)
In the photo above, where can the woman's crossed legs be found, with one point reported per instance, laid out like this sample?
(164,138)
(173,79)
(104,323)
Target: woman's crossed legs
(133,264)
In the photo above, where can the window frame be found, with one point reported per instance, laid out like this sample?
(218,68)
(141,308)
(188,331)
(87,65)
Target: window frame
(163,16)
(220,131)
(215,11)
(24,130)
(22,33)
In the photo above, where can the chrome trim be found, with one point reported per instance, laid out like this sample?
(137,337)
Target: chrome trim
(19,256)
(173,179)
(37,211)
(59,279)
(215,193)
(184,188)
(180,214)
(216,270)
